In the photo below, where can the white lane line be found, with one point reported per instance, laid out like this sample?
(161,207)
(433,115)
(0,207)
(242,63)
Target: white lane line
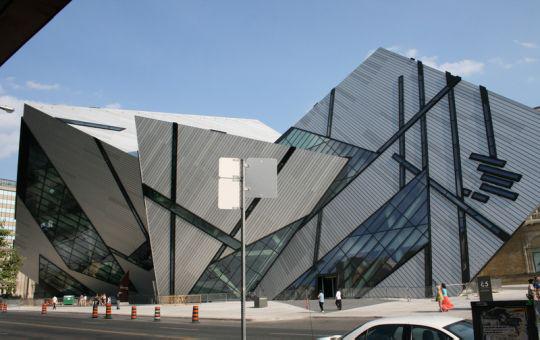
(87,329)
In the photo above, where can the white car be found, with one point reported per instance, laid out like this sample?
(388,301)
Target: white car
(421,327)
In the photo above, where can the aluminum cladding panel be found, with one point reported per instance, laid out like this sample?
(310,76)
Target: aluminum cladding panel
(194,251)
(154,138)
(159,232)
(482,245)
(294,260)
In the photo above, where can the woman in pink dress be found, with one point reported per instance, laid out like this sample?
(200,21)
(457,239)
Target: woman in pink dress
(446,303)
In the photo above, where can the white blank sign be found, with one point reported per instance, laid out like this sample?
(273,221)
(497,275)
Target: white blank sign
(229,183)
(229,168)
(228,193)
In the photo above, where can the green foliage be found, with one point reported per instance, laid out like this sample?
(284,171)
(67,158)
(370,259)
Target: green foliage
(10,262)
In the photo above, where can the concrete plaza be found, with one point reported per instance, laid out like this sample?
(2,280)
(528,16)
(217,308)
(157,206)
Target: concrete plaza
(296,310)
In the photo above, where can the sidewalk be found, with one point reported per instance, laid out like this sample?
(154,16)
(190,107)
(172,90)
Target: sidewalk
(277,310)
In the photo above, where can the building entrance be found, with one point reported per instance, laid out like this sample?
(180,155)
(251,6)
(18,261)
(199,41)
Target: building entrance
(327,283)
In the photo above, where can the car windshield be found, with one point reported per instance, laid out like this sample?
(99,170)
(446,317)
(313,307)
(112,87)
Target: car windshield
(354,329)
(463,329)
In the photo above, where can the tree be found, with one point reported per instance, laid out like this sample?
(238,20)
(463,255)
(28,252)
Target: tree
(10,262)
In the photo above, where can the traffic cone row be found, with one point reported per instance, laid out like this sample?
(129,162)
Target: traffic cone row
(195,314)
(157,313)
(133,312)
(43,308)
(94,312)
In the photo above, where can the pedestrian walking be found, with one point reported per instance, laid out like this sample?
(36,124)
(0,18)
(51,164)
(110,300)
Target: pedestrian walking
(338,299)
(446,303)
(81,300)
(321,301)
(54,302)
(118,300)
(439,297)
(531,291)
(536,286)
(85,300)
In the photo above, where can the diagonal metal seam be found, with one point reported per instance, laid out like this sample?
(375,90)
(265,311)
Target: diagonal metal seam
(486,223)
(253,204)
(458,181)
(422,112)
(428,258)
(401,121)
(190,217)
(172,216)
(121,187)
(488,123)
(320,214)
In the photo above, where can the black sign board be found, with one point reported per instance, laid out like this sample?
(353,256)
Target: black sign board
(494,320)
(484,288)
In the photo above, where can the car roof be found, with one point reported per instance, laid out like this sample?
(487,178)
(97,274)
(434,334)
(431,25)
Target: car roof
(435,321)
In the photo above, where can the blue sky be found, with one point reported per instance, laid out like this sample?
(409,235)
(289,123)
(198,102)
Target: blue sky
(268,60)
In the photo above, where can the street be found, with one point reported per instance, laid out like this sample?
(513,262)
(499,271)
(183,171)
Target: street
(32,325)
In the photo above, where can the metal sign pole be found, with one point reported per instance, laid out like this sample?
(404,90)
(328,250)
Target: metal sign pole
(243,240)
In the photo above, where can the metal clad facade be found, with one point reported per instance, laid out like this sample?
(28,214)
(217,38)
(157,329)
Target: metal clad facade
(158,229)
(194,250)
(154,138)
(76,157)
(295,259)
(482,245)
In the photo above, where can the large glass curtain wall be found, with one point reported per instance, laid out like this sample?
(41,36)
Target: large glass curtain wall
(54,280)
(389,238)
(60,217)
(223,276)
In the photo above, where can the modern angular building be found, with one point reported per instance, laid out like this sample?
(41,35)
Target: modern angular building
(401,176)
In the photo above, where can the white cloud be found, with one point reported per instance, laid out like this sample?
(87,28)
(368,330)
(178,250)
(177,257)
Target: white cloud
(501,63)
(10,125)
(113,106)
(464,67)
(411,53)
(526,44)
(528,60)
(34,85)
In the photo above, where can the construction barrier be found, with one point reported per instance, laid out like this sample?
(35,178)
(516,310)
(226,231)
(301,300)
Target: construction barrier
(157,313)
(133,312)
(43,309)
(195,315)
(108,311)
(94,312)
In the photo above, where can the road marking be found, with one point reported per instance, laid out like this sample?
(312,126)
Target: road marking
(293,334)
(89,329)
(180,328)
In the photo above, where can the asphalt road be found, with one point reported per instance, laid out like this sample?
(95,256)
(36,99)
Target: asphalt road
(31,325)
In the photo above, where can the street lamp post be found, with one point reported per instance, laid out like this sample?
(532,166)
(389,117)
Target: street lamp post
(7,109)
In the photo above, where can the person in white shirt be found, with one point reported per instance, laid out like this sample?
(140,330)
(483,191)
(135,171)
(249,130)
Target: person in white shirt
(321,301)
(54,302)
(338,299)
